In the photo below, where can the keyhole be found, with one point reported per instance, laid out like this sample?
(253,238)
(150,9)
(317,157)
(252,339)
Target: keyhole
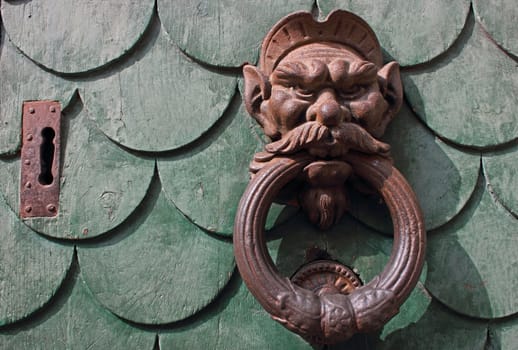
(46,156)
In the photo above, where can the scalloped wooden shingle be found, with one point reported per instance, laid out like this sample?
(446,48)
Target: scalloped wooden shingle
(468,96)
(148,263)
(76,36)
(158,269)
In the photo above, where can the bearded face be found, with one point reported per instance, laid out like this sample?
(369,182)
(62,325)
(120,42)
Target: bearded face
(324,99)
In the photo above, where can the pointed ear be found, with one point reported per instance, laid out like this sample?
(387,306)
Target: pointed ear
(391,88)
(257,90)
(257,87)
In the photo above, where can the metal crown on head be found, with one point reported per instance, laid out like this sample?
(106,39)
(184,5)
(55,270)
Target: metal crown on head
(300,28)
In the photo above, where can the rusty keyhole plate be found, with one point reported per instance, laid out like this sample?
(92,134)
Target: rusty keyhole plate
(39,180)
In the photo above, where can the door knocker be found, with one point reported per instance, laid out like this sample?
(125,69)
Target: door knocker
(323,96)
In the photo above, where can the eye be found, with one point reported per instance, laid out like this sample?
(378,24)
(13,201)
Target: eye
(302,92)
(352,92)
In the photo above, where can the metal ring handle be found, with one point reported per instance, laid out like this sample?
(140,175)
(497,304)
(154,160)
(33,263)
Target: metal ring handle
(330,318)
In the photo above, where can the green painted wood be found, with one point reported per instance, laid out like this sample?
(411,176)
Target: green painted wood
(31,268)
(412,310)
(499,18)
(75,36)
(503,334)
(225,32)
(235,321)
(473,261)
(352,244)
(170,102)
(26,82)
(357,342)
(101,184)
(442,177)
(439,328)
(158,268)
(409,32)
(76,321)
(161,101)
(501,169)
(469,95)
(206,182)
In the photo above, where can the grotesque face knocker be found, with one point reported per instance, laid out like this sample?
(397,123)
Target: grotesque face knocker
(323,96)
(321,88)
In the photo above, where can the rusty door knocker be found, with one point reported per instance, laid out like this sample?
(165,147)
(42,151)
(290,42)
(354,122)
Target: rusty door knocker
(323,96)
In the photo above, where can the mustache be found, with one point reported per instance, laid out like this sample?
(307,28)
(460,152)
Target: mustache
(338,140)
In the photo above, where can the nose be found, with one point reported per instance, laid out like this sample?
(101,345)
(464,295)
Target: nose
(326,110)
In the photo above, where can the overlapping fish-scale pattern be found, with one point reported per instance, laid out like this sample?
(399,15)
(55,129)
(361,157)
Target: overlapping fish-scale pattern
(31,268)
(27,82)
(438,328)
(499,18)
(451,173)
(214,173)
(501,169)
(481,113)
(162,270)
(411,32)
(101,184)
(86,35)
(224,33)
(217,326)
(74,319)
(156,146)
(481,292)
(160,101)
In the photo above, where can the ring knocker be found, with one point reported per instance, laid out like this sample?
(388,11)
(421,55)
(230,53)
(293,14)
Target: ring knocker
(324,97)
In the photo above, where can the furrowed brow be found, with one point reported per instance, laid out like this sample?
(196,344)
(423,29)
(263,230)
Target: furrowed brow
(289,73)
(301,73)
(363,72)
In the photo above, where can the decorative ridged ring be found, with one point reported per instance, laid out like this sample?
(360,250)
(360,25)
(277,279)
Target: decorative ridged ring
(330,318)
(326,277)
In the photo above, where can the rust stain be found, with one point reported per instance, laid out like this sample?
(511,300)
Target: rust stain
(39,180)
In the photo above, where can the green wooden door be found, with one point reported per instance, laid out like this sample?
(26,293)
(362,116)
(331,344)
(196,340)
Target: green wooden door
(155,153)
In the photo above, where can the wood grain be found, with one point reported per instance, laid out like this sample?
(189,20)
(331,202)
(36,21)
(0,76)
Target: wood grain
(74,36)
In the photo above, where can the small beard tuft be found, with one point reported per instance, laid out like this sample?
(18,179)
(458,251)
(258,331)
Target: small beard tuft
(324,205)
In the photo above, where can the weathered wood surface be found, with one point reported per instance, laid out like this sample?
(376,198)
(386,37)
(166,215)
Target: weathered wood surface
(75,320)
(226,326)
(482,112)
(31,268)
(161,101)
(410,32)
(444,180)
(501,169)
(72,36)
(159,268)
(440,329)
(156,149)
(101,184)
(206,182)
(224,32)
(499,18)
(476,253)
(26,82)
(503,334)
